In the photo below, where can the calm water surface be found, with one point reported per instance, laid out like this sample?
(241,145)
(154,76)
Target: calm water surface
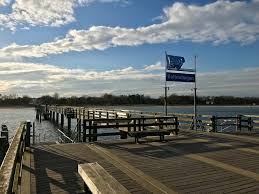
(45,130)
(13,116)
(207,110)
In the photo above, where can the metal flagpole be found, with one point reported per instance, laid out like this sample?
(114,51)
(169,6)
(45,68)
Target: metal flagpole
(195,93)
(165,84)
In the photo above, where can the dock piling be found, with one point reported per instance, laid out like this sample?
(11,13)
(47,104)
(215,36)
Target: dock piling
(28,134)
(213,124)
(62,121)
(90,131)
(84,130)
(57,118)
(69,127)
(79,130)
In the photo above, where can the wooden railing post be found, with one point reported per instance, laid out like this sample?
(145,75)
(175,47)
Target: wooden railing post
(249,123)
(214,123)
(238,122)
(33,132)
(69,126)
(176,125)
(94,132)
(84,130)
(90,131)
(28,134)
(57,118)
(62,121)
(53,116)
(79,130)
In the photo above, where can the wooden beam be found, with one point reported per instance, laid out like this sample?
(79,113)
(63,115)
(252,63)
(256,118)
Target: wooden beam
(99,181)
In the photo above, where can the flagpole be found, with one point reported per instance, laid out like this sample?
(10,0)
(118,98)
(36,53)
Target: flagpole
(165,103)
(195,94)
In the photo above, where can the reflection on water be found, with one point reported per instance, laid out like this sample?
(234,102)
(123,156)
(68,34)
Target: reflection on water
(45,130)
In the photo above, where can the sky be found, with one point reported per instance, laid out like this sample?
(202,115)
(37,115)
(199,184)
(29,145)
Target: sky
(93,47)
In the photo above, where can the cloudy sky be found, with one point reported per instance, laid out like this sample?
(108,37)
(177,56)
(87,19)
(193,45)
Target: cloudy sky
(92,47)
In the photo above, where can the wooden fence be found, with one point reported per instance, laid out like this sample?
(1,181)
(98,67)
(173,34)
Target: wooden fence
(10,171)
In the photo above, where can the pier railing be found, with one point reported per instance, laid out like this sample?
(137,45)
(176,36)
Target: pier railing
(127,125)
(10,171)
(209,123)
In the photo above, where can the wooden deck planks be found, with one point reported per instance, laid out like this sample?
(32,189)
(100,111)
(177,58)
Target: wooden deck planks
(190,163)
(234,175)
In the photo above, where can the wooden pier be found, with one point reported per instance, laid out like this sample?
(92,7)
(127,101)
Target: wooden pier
(155,154)
(187,163)
(127,122)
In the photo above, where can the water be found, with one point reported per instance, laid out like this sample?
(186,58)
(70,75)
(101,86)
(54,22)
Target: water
(45,130)
(13,116)
(203,110)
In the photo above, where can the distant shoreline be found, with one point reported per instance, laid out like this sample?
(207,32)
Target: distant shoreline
(16,106)
(130,105)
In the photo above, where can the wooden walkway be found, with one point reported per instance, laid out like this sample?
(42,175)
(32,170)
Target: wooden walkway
(189,163)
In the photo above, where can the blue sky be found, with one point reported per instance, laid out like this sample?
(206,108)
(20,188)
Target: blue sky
(92,47)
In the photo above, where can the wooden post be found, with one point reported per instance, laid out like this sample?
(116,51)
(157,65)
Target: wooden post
(69,127)
(134,124)
(3,148)
(139,125)
(176,126)
(57,118)
(4,144)
(84,130)
(79,130)
(238,122)
(62,122)
(54,118)
(123,134)
(4,133)
(94,132)
(28,134)
(40,117)
(214,123)
(33,132)
(90,131)
(249,123)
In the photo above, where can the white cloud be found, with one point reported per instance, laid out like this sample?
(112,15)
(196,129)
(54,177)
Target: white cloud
(40,79)
(218,22)
(157,66)
(42,12)
(5,2)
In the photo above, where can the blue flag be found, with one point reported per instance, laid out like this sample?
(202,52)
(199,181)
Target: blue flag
(174,62)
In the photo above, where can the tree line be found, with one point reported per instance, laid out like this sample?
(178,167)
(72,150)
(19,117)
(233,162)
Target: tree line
(135,99)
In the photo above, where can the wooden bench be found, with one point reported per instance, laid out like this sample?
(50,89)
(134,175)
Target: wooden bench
(98,180)
(140,134)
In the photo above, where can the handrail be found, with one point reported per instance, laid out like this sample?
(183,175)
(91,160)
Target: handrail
(12,163)
(65,136)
